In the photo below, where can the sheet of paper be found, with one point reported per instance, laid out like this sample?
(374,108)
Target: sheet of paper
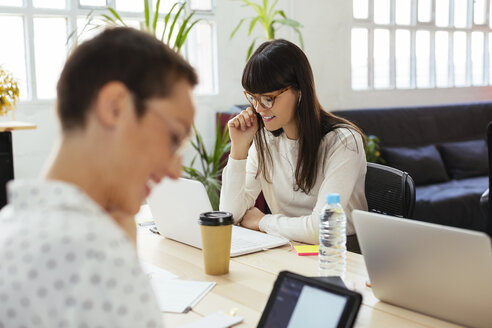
(215,320)
(174,295)
(153,270)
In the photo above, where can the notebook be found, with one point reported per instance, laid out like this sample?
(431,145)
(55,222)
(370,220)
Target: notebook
(441,271)
(297,302)
(176,206)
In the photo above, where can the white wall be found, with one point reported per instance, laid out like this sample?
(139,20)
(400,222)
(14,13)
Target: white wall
(327,44)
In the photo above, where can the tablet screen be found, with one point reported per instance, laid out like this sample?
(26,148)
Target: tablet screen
(299,302)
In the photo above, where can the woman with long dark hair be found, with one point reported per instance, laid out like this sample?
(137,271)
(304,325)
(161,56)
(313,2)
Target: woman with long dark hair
(300,152)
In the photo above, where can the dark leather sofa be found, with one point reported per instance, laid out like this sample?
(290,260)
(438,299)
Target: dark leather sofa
(444,149)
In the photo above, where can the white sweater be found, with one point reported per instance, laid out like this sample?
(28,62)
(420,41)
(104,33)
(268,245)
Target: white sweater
(295,213)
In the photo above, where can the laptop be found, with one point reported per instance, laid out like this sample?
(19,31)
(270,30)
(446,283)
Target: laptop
(176,206)
(441,271)
(297,302)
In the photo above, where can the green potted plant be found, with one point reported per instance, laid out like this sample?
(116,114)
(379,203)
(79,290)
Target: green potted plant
(9,92)
(372,148)
(211,163)
(270,19)
(177,23)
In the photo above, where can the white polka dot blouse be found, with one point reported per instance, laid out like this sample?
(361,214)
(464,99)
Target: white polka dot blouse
(65,263)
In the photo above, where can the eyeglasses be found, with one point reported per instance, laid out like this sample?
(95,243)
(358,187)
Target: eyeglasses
(179,140)
(180,137)
(267,101)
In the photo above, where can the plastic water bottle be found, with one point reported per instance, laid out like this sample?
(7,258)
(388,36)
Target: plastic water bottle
(332,238)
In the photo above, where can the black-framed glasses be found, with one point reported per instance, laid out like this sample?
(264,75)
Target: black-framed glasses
(267,101)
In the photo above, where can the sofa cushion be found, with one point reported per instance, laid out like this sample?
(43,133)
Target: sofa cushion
(465,159)
(424,164)
(453,203)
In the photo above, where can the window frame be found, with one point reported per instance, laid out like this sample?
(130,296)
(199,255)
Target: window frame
(71,13)
(414,26)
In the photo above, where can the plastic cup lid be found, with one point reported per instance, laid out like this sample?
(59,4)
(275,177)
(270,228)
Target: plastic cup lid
(215,218)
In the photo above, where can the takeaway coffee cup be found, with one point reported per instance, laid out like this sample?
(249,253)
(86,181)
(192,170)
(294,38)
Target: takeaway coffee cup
(216,230)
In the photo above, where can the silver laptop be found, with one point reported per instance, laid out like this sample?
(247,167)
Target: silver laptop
(176,206)
(437,270)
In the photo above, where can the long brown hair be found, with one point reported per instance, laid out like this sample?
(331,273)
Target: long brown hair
(273,66)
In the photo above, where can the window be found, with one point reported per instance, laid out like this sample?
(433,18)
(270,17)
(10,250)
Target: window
(36,32)
(407,44)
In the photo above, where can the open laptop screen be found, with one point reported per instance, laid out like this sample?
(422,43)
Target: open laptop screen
(297,301)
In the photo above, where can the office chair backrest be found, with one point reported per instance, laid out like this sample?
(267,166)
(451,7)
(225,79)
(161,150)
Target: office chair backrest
(489,141)
(389,191)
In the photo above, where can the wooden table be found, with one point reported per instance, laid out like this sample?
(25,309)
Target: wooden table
(7,126)
(251,277)
(6,153)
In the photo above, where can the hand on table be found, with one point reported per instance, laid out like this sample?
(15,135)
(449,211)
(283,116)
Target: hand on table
(252,218)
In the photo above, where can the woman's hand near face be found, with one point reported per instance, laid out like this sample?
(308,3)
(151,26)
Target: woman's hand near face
(242,129)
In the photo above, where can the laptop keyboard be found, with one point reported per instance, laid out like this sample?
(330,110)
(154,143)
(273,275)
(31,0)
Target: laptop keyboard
(245,241)
(238,243)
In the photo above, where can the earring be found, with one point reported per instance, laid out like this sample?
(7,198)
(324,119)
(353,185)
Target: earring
(300,96)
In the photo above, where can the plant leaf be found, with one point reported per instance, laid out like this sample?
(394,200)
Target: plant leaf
(281,13)
(166,20)
(156,15)
(270,32)
(237,28)
(72,34)
(299,34)
(147,14)
(218,144)
(116,15)
(272,8)
(95,27)
(250,49)
(289,22)
(183,39)
(76,34)
(257,8)
(212,164)
(109,20)
(171,29)
(252,24)
(265,4)
(202,150)
(178,42)
(193,161)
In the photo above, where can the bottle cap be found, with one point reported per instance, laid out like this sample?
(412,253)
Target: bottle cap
(332,198)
